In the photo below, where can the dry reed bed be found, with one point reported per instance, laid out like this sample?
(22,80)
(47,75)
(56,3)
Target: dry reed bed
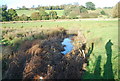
(43,58)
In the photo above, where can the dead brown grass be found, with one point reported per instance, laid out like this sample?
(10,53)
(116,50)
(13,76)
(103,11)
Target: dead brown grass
(43,58)
(35,49)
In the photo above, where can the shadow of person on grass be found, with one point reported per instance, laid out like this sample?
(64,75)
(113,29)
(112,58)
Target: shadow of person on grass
(97,70)
(90,49)
(108,72)
(96,73)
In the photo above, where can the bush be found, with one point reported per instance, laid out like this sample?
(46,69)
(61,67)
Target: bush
(116,10)
(44,15)
(73,12)
(36,16)
(102,12)
(63,17)
(29,19)
(89,15)
(53,15)
(16,18)
(83,9)
(23,18)
(5,16)
(11,14)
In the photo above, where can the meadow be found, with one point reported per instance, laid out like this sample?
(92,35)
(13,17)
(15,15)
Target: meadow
(98,32)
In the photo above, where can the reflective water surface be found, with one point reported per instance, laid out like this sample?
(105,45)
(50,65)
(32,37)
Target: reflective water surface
(68,45)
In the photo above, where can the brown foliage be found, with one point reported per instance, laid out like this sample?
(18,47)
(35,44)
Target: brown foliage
(116,10)
(43,58)
(35,49)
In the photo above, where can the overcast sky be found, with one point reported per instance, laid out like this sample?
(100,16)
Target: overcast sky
(30,3)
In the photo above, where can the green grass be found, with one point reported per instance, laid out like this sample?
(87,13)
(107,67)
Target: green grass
(100,35)
(98,32)
(29,12)
(26,12)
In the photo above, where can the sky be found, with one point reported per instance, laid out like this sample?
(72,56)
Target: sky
(30,3)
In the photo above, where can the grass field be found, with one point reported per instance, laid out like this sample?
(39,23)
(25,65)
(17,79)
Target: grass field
(29,12)
(98,32)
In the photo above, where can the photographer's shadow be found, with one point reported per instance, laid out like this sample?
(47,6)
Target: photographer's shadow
(108,72)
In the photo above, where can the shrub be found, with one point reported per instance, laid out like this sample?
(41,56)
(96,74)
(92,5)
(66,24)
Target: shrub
(116,10)
(74,11)
(16,18)
(53,15)
(36,16)
(44,15)
(29,19)
(102,12)
(23,17)
(5,16)
(63,17)
(89,15)
(12,13)
(83,9)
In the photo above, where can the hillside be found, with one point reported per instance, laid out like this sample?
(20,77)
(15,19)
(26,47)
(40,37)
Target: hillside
(60,12)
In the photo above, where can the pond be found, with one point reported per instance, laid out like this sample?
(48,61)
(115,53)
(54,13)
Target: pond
(68,45)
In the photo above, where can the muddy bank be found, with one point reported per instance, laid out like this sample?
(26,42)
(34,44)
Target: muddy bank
(43,58)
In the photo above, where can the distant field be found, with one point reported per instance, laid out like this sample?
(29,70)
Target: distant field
(98,32)
(26,12)
(29,12)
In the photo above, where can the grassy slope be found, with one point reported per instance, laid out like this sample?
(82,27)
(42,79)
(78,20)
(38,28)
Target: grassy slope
(29,12)
(26,12)
(98,32)
(107,11)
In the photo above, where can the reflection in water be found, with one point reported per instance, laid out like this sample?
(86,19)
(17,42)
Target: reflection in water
(68,45)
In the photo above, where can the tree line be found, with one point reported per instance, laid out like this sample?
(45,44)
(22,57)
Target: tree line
(89,5)
(61,7)
(11,15)
(70,12)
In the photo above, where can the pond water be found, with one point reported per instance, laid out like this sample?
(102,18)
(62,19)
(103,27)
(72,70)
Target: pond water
(68,45)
